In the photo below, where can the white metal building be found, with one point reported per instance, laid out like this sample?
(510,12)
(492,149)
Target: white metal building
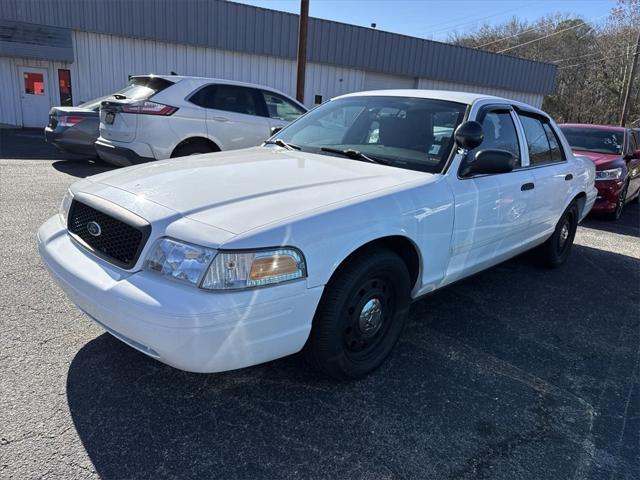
(55,52)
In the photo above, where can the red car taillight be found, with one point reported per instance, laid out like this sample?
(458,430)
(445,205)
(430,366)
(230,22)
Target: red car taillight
(149,108)
(69,121)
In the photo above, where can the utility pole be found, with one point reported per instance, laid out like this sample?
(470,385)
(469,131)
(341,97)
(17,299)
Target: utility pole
(302,49)
(627,95)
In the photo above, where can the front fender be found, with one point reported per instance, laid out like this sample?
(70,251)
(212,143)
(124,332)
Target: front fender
(328,237)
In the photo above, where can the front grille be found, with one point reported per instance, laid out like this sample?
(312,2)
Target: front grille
(112,239)
(53,121)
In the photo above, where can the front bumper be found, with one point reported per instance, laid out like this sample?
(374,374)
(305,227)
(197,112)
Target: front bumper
(179,325)
(608,194)
(122,156)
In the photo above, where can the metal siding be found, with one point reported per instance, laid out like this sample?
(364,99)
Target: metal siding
(231,26)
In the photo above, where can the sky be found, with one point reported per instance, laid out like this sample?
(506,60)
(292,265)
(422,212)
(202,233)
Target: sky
(437,19)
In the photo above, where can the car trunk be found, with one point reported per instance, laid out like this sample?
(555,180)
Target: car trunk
(115,123)
(63,114)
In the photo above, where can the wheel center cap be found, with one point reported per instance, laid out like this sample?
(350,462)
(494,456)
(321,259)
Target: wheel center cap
(370,317)
(564,234)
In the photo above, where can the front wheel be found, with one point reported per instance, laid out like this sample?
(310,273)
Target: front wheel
(360,317)
(555,251)
(622,198)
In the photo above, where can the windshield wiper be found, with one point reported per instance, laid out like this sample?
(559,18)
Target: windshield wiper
(283,144)
(355,154)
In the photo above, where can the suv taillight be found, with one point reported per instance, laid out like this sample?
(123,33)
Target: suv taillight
(148,108)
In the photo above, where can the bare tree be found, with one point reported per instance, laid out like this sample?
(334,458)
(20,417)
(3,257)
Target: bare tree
(593,61)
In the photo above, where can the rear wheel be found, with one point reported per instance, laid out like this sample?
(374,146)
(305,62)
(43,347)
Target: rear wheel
(360,317)
(555,251)
(193,148)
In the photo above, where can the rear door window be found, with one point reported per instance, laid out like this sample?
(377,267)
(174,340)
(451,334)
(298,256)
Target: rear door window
(232,98)
(542,142)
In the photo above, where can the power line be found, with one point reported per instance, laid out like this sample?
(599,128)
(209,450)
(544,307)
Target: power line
(623,47)
(511,36)
(583,23)
(451,27)
(592,61)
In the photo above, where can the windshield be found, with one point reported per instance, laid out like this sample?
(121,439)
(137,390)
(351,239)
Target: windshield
(413,133)
(594,140)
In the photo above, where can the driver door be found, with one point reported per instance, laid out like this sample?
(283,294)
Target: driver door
(492,212)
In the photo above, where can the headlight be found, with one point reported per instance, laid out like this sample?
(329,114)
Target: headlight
(612,174)
(65,205)
(237,270)
(179,260)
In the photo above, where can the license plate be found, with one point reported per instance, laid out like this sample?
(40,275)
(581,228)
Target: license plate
(109,117)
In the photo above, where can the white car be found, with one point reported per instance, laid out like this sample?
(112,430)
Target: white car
(165,116)
(319,239)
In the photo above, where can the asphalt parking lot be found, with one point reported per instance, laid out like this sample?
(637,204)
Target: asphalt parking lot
(518,372)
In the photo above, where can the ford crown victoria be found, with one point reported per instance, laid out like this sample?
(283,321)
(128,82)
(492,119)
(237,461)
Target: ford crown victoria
(319,239)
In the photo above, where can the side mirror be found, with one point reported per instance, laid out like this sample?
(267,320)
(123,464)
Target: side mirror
(487,162)
(469,135)
(275,130)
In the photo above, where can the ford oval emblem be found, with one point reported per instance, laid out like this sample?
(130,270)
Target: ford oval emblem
(94,228)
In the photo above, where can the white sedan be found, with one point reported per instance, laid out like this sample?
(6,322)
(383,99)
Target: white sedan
(319,239)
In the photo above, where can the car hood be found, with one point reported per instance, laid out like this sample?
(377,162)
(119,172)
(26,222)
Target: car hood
(245,189)
(598,158)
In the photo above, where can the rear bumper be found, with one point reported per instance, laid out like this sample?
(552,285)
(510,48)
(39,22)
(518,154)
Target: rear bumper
(122,156)
(70,140)
(608,194)
(179,325)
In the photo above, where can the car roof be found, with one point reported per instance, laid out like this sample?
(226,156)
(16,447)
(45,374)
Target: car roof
(468,98)
(610,128)
(178,78)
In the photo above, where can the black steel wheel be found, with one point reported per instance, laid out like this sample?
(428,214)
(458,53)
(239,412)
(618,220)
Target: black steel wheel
(555,251)
(361,316)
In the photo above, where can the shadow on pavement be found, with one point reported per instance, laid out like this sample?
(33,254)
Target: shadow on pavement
(629,223)
(81,168)
(518,372)
(27,144)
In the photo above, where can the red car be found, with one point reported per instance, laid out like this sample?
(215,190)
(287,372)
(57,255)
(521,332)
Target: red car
(616,153)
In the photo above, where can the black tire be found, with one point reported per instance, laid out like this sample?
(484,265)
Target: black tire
(617,213)
(193,148)
(555,251)
(345,342)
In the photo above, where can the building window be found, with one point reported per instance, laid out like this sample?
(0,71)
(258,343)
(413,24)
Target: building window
(33,83)
(64,84)
(318,99)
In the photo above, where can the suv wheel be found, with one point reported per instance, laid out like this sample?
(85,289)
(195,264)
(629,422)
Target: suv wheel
(555,251)
(360,317)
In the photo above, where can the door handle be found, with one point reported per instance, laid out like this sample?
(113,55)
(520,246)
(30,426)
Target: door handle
(527,186)
(220,119)
(568,176)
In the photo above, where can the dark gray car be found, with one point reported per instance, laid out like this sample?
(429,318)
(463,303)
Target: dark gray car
(75,129)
